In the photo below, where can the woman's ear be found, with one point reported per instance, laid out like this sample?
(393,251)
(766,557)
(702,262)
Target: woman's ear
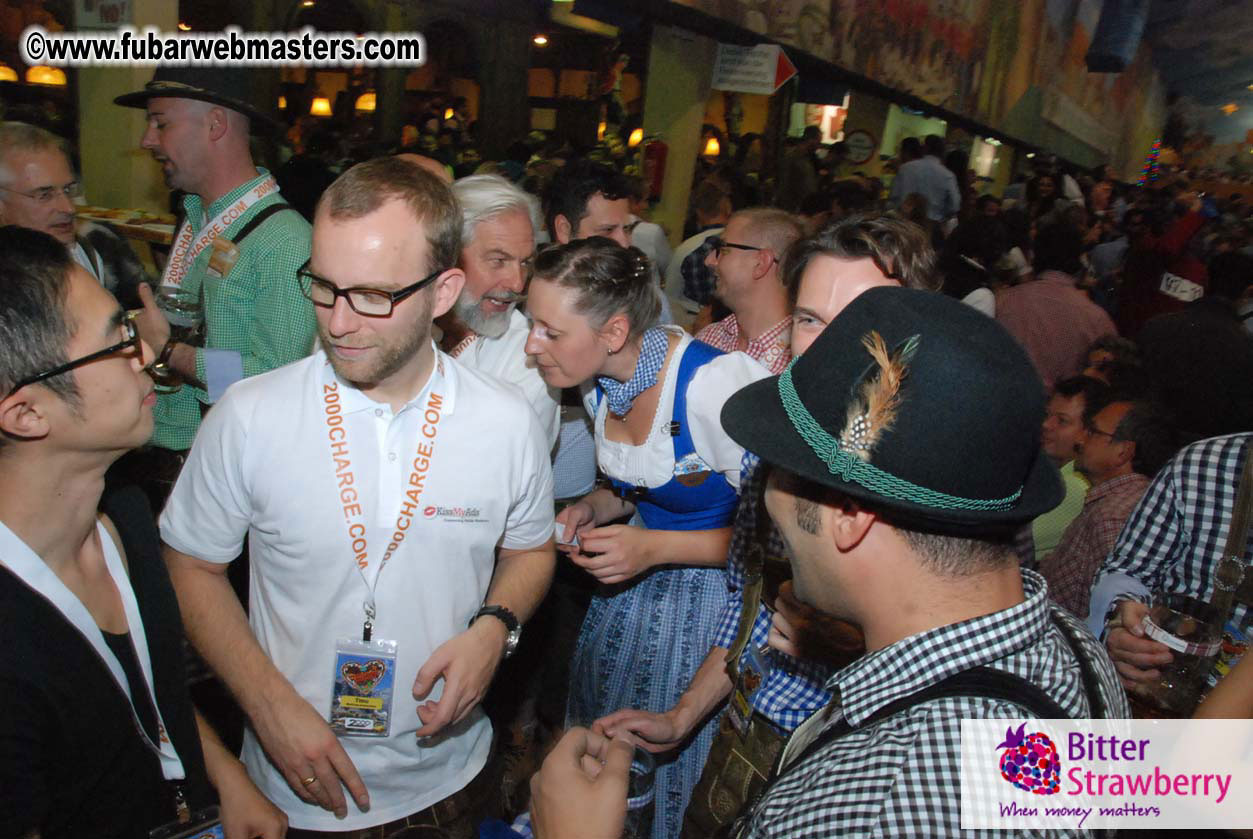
(615,332)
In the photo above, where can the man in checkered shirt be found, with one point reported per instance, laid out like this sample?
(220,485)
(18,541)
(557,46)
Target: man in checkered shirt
(1173,542)
(747,260)
(902,524)
(1123,444)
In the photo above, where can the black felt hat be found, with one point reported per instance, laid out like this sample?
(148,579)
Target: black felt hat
(230,87)
(954,444)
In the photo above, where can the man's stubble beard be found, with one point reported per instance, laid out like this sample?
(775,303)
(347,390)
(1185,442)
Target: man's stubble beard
(391,358)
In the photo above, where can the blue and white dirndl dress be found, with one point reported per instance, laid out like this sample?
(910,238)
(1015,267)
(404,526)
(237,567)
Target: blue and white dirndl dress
(643,641)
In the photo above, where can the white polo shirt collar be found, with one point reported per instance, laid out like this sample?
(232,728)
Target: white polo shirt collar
(443,378)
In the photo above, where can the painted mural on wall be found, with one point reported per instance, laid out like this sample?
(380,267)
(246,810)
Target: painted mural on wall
(974,57)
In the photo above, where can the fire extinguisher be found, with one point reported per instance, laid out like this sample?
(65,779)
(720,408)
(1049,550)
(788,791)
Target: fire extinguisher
(655,167)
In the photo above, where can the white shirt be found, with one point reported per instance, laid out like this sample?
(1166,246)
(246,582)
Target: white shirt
(983,300)
(505,358)
(262,464)
(79,253)
(652,463)
(651,239)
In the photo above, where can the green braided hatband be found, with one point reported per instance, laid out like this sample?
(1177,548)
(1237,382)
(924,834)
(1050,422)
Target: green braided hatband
(852,468)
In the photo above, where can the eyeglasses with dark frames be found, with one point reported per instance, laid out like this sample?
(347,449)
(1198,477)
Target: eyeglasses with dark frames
(1092,429)
(370,302)
(129,342)
(46,194)
(718,244)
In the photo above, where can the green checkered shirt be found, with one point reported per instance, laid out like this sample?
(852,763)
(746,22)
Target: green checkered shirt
(256,310)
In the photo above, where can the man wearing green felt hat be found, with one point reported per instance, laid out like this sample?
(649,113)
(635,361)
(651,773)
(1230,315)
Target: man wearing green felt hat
(904,452)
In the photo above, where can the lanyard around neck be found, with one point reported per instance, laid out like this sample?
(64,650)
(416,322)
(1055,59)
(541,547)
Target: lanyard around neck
(348,495)
(17,556)
(188,245)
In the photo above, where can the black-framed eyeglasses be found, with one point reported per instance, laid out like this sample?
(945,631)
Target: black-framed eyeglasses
(718,245)
(47,194)
(1092,429)
(371,302)
(130,341)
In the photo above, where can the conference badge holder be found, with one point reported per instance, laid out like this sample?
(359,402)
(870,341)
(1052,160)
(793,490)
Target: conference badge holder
(202,824)
(365,678)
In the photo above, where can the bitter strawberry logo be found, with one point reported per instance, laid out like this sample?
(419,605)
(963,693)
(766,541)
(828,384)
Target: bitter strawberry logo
(1030,762)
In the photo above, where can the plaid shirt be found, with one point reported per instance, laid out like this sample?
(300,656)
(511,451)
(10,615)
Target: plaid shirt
(257,310)
(900,776)
(1176,534)
(794,689)
(1071,568)
(773,348)
(698,278)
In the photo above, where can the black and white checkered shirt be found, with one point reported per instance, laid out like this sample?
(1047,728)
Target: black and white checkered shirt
(901,776)
(1175,536)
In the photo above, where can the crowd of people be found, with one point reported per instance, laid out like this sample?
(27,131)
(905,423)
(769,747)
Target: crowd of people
(469,471)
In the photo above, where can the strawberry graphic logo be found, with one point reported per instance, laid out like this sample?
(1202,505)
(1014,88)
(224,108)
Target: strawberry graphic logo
(1030,762)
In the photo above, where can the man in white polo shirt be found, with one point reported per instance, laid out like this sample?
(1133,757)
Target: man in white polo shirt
(484,329)
(393,497)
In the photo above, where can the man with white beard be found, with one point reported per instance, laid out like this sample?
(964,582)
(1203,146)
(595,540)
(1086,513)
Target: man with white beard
(485,330)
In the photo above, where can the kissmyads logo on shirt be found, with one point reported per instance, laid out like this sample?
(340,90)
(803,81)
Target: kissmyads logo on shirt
(464,515)
(1087,774)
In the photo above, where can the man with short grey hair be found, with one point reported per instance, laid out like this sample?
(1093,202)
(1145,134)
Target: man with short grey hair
(38,187)
(746,260)
(485,330)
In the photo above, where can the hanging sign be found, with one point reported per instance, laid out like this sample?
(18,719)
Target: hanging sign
(762,69)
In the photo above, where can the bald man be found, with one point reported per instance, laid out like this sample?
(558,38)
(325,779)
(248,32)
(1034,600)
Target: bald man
(238,248)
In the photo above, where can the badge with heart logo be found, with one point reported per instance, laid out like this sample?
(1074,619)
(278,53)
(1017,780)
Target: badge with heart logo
(363,677)
(361,697)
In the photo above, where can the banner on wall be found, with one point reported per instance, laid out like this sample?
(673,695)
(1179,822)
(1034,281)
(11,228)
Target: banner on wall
(762,69)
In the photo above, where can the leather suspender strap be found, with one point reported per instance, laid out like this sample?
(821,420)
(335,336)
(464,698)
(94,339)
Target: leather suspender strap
(258,219)
(1233,582)
(984,682)
(1097,707)
(754,575)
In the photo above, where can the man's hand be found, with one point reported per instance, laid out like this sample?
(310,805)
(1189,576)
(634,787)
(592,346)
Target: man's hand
(622,552)
(580,792)
(654,732)
(801,631)
(1136,658)
(302,746)
(466,662)
(246,813)
(151,322)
